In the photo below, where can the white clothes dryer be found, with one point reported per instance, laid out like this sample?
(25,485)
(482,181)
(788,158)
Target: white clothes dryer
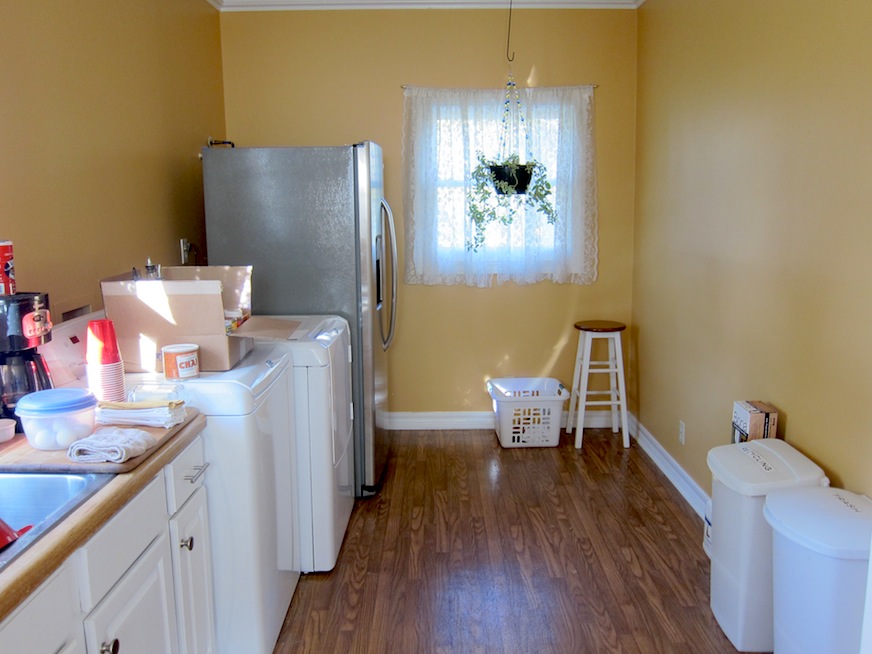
(320,347)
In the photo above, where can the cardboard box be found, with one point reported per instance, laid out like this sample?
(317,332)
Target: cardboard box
(186,306)
(753,419)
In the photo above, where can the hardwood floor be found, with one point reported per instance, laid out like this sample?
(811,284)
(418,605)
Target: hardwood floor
(470,547)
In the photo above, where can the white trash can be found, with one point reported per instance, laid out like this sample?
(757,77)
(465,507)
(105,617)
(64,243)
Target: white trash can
(741,549)
(820,561)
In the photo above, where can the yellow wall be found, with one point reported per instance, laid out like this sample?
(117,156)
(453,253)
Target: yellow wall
(104,108)
(745,274)
(332,77)
(752,275)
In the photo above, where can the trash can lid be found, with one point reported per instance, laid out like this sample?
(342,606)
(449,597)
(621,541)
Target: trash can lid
(831,521)
(760,466)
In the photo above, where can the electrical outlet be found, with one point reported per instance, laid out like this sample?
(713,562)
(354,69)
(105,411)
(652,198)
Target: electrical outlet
(681,432)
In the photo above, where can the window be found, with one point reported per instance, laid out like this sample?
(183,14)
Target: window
(443,132)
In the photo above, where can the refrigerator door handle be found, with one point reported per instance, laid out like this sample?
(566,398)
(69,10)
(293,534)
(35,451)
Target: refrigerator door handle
(389,216)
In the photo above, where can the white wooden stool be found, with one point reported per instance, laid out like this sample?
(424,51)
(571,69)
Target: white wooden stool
(585,366)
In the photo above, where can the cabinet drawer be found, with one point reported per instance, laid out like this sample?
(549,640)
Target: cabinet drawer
(185,474)
(113,549)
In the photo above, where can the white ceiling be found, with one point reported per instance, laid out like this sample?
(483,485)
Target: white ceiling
(287,5)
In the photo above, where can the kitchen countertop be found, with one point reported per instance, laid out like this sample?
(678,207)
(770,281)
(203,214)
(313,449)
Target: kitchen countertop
(25,574)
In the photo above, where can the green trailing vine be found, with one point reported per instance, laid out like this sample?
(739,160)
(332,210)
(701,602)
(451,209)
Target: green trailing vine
(492,200)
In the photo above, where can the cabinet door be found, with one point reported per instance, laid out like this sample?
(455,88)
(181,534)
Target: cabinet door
(139,612)
(47,622)
(192,574)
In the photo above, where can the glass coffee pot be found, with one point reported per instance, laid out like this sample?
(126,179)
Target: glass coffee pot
(25,324)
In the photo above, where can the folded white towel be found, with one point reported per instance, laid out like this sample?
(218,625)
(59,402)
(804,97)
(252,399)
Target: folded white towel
(112,445)
(148,414)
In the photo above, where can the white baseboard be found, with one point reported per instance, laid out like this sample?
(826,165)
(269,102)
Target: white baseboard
(693,494)
(474,420)
(440,420)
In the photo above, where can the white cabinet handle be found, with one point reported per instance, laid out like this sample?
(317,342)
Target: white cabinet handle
(110,648)
(187,543)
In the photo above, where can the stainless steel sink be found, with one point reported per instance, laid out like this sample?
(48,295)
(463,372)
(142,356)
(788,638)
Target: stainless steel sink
(41,500)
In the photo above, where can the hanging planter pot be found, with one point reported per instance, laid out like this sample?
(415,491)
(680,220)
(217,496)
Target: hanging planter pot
(511,179)
(501,188)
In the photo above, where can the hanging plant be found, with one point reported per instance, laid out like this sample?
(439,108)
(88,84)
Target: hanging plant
(501,188)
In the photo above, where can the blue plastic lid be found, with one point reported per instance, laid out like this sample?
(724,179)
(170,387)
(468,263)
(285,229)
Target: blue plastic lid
(55,400)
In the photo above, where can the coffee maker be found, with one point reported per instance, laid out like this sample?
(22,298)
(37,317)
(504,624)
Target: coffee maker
(25,324)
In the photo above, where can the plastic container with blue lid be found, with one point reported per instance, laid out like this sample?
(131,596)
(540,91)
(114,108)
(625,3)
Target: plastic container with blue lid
(55,418)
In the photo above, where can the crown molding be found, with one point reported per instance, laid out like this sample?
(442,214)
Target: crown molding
(323,5)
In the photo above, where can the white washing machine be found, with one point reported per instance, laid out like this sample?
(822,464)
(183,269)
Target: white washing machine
(321,351)
(249,444)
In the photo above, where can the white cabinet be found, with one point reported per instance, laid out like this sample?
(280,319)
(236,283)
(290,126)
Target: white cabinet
(138,615)
(163,603)
(126,582)
(192,575)
(110,552)
(141,584)
(191,551)
(48,621)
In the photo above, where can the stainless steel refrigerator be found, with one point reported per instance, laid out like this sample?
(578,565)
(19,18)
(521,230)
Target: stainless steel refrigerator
(314,224)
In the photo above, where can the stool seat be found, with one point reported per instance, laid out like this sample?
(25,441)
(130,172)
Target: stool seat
(585,365)
(600,326)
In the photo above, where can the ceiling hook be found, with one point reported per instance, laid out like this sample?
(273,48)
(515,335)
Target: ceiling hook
(509,35)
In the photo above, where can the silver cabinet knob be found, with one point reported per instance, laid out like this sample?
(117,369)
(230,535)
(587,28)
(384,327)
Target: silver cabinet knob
(110,648)
(187,543)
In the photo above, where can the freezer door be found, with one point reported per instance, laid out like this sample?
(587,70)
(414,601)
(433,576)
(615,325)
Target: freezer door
(289,213)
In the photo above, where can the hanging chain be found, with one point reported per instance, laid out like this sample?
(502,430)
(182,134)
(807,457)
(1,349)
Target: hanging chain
(512,94)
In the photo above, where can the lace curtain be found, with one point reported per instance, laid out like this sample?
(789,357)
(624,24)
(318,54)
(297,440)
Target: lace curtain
(443,131)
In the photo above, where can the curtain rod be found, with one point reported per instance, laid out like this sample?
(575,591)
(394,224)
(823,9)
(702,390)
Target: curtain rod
(596,86)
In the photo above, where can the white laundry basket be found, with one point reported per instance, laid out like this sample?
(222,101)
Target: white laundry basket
(820,564)
(527,410)
(741,548)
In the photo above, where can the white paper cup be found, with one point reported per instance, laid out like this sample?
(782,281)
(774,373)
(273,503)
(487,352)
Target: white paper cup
(106,381)
(181,361)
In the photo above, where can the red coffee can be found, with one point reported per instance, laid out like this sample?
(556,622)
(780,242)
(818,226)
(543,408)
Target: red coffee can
(7,269)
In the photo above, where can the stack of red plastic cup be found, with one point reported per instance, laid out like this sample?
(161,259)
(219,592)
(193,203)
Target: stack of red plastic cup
(103,359)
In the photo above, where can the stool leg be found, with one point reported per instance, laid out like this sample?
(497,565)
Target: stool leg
(613,381)
(573,394)
(582,389)
(622,389)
